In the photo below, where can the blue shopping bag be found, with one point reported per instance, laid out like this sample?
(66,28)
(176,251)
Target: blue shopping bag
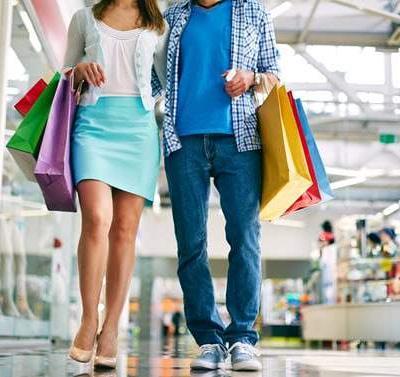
(322,178)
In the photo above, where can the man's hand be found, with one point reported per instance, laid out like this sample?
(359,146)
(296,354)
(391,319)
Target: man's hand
(241,83)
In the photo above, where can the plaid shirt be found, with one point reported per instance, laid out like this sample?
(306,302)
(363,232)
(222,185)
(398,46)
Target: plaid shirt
(253,49)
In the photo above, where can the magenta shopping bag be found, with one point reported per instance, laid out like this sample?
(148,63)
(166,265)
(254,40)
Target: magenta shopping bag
(53,168)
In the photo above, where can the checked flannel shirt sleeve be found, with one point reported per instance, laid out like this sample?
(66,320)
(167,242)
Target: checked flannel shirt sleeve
(156,86)
(268,55)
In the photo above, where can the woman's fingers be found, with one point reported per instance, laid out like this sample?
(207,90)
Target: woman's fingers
(93,73)
(102,73)
(88,78)
(89,75)
(94,67)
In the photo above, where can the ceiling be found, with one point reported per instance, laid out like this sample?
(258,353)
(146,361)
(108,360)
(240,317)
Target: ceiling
(336,22)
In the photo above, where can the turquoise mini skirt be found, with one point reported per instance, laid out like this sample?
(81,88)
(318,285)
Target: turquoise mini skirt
(116,141)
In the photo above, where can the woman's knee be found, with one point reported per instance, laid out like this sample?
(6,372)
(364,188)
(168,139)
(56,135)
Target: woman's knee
(96,223)
(124,229)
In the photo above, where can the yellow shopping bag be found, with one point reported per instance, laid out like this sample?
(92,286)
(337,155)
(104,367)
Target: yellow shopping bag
(285,172)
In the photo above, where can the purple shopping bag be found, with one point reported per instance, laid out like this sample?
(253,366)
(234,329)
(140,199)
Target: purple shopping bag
(53,168)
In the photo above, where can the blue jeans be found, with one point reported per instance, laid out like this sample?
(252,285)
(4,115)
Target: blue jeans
(237,177)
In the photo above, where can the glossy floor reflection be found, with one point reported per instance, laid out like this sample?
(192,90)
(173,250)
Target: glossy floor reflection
(172,359)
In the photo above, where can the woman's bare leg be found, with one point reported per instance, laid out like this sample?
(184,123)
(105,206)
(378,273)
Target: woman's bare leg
(127,212)
(97,210)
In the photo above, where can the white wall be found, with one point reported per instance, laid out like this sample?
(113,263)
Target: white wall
(68,8)
(353,155)
(278,242)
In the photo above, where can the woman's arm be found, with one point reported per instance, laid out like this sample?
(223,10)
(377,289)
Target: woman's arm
(92,72)
(75,43)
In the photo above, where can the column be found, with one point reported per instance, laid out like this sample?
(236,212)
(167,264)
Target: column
(146,272)
(389,87)
(5,43)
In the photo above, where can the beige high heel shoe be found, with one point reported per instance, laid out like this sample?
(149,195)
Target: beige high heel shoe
(80,355)
(105,361)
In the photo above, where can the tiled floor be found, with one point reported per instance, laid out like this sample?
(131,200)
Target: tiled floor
(152,359)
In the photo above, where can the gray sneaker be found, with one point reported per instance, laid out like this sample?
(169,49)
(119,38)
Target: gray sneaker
(211,357)
(208,373)
(244,357)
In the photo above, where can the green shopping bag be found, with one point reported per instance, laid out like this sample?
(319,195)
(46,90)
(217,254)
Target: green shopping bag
(24,145)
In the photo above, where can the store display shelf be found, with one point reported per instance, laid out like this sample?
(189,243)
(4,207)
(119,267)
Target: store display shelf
(279,323)
(368,260)
(363,281)
(367,321)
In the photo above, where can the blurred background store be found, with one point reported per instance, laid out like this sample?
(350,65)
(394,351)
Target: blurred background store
(331,273)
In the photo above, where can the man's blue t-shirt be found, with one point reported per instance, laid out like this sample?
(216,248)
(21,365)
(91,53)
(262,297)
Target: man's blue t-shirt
(204,107)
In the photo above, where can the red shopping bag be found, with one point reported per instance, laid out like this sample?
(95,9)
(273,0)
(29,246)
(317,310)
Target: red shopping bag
(312,195)
(28,100)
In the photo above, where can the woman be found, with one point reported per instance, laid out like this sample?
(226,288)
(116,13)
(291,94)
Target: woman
(115,149)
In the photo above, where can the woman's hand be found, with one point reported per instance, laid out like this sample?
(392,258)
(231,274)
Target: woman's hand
(92,73)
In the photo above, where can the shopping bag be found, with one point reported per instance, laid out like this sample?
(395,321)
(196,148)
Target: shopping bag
(322,178)
(24,145)
(53,168)
(312,195)
(284,167)
(28,100)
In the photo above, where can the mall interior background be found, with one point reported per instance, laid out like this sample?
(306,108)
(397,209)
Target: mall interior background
(344,62)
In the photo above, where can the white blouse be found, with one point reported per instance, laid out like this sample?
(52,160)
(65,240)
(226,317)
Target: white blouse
(119,49)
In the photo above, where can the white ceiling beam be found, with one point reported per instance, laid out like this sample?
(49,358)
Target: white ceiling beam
(378,117)
(326,86)
(335,80)
(288,35)
(369,10)
(306,29)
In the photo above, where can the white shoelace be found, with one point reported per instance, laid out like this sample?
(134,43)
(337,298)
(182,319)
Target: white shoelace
(245,348)
(208,348)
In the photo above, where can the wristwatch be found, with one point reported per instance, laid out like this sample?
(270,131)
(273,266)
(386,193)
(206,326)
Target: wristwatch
(257,78)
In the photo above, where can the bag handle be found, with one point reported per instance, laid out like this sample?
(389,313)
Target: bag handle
(70,73)
(260,96)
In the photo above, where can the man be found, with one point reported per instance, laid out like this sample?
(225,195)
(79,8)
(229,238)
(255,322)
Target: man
(218,52)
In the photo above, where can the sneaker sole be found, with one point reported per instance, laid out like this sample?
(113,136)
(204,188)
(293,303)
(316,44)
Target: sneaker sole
(207,366)
(246,366)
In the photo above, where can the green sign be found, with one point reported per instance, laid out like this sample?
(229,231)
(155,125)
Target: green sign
(388,138)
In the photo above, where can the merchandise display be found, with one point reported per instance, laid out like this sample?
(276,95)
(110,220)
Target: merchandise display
(7,277)
(20,291)
(368,261)
(282,301)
